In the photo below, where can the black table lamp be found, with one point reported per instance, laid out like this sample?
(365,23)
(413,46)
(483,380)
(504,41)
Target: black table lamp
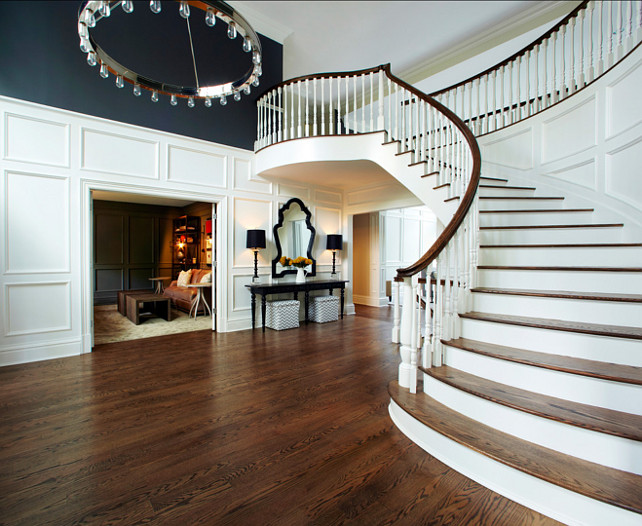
(335,242)
(255,242)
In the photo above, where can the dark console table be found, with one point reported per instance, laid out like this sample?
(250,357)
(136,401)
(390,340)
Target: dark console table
(265,289)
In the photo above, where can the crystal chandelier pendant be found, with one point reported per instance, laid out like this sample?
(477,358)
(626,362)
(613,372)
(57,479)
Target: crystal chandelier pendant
(154,96)
(120,82)
(91,58)
(136,90)
(210,18)
(247,90)
(256,82)
(173,101)
(190,102)
(183,10)
(104,9)
(231,30)
(237,96)
(128,6)
(247,44)
(208,103)
(155,6)
(223,101)
(104,72)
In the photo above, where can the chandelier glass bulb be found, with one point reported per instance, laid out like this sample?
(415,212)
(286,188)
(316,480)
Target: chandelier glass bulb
(82,30)
(247,44)
(223,101)
(136,90)
(91,58)
(247,90)
(237,96)
(128,6)
(208,103)
(255,82)
(256,57)
(190,102)
(210,17)
(119,81)
(258,70)
(154,96)
(84,45)
(90,19)
(183,10)
(173,100)
(231,30)
(155,6)
(104,9)
(104,72)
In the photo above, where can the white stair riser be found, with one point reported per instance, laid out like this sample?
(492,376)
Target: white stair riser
(525,218)
(608,450)
(583,281)
(520,204)
(532,492)
(567,256)
(524,236)
(580,345)
(587,311)
(505,192)
(617,396)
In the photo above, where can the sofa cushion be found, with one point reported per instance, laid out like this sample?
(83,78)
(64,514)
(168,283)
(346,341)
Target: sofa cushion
(207,278)
(184,278)
(197,275)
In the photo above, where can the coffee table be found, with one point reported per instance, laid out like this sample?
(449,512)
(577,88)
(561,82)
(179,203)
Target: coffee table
(145,305)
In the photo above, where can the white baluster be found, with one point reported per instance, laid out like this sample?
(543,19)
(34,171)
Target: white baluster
(581,20)
(354,108)
(619,30)
(307,108)
(279,136)
(314,105)
(330,114)
(372,107)
(347,112)
(396,314)
(270,102)
(299,130)
(363,104)
(554,76)
(589,26)
(292,97)
(380,117)
(323,130)
(638,24)
(338,105)
(609,26)
(628,43)
(518,109)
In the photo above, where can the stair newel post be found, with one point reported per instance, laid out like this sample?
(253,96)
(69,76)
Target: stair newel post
(426,354)
(408,374)
(438,323)
(396,286)
(454,297)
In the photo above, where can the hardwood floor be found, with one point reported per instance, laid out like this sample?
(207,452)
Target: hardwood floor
(240,428)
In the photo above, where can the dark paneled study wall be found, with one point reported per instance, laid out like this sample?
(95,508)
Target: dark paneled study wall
(40,61)
(132,243)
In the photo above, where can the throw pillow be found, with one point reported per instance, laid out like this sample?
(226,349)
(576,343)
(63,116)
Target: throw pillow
(184,277)
(207,278)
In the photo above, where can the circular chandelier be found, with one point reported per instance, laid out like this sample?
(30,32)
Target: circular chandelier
(92,12)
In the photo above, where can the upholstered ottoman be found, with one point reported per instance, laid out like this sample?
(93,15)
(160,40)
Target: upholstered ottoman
(283,314)
(324,308)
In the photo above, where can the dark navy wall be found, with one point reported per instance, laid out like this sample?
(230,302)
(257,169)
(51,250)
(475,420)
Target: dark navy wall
(40,61)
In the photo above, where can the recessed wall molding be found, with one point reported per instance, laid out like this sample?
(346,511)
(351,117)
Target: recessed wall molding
(246,180)
(34,140)
(583,174)
(621,115)
(570,132)
(116,154)
(196,167)
(37,307)
(293,190)
(36,223)
(327,197)
(514,150)
(619,161)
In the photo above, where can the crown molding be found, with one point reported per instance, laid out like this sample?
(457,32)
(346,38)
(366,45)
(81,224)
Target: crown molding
(535,16)
(261,23)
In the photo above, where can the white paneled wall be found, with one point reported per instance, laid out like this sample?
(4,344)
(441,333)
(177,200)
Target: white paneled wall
(51,160)
(588,149)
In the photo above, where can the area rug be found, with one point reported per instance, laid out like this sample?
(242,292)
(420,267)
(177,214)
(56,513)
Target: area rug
(111,326)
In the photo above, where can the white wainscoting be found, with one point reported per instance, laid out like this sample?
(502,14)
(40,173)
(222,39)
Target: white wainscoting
(52,159)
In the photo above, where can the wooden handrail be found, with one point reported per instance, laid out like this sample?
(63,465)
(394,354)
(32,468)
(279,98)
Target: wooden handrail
(469,196)
(521,52)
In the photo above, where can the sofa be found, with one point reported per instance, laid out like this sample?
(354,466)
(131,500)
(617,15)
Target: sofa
(182,296)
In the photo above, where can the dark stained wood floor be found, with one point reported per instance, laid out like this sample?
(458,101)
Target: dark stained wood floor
(245,428)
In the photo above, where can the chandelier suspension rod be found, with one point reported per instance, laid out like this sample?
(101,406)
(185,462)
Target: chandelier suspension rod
(191,45)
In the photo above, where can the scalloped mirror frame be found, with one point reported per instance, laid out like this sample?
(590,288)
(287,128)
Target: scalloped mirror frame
(277,241)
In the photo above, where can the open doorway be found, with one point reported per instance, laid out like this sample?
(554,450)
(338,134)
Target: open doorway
(141,244)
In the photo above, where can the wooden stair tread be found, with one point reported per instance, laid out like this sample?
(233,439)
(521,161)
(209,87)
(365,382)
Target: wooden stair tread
(452,198)
(595,296)
(566,245)
(615,331)
(562,269)
(568,364)
(537,211)
(390,142)
(444,185)
(615,487)
(586,416)
(539,198)
(431,173)
(507,187)
(483,177)
(535,227)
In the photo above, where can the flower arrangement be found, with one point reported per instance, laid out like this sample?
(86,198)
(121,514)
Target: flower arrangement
(299,262)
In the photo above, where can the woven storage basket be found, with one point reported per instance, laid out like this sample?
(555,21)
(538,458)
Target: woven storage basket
(281,315)
(324,309)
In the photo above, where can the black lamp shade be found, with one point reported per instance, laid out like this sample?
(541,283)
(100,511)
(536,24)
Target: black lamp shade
(255,239)
(335,242)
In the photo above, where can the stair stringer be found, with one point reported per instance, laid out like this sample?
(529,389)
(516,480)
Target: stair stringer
(367,147)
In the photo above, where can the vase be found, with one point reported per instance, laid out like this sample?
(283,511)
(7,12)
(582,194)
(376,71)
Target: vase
(300,275)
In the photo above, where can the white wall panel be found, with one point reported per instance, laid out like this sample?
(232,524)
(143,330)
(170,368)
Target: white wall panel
(514,151)
(333,198)
(118,154)
(36,140)
(583,174)
(251,214)
(37,224)
(411,236)
(291,190)
(327,221)
(392,236)
(192,166)
(620,113)
(245,180)
(241,298)
(619,164)
(570,132)
(37,307)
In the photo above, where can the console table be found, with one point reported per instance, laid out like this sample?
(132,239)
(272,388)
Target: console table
(265,289)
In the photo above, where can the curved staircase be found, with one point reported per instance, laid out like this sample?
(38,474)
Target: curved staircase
(531,363)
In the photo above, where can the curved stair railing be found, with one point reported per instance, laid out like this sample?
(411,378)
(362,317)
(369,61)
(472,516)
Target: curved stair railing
(574,53)
(374,100)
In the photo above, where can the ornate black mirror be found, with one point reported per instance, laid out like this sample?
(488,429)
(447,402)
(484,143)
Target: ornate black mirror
(294,236)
